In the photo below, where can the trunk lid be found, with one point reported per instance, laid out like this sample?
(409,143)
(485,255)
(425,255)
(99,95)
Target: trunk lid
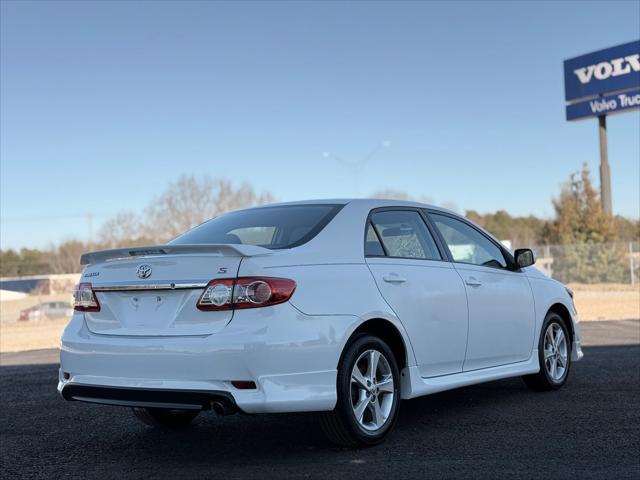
(156,294)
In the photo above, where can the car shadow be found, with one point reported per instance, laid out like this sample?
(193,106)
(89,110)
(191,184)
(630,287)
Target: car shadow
(226,440)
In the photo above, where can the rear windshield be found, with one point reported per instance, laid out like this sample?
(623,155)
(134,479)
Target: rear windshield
(284,226)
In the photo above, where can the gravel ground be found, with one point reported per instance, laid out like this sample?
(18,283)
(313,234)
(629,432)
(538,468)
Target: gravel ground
(589,429)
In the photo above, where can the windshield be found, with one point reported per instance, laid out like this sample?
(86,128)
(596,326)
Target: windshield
(284,226)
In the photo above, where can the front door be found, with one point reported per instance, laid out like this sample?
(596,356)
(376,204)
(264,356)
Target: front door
(501,309)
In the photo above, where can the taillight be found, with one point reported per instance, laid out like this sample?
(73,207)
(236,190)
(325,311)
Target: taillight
(84,298)
(245,292)
(250,292)
(218,295)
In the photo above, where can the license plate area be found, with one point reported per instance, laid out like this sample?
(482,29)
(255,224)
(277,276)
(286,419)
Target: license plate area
(154,313)
(148,308)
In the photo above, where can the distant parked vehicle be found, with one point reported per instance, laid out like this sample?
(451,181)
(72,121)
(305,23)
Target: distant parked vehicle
(47,310)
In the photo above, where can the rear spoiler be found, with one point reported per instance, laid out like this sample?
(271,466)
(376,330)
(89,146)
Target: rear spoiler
(220,249)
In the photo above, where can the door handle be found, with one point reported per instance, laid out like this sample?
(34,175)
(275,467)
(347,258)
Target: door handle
(473,282)
(394,278)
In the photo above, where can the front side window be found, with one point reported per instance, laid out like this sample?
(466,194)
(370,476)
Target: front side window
(277,227)
(404,234)
(466,244)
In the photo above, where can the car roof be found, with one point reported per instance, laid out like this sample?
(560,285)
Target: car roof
(371,202)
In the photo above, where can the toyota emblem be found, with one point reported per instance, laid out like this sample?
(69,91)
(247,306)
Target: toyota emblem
(144,271)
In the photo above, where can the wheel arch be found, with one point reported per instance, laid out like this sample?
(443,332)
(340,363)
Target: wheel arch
(563,311)
(386,331)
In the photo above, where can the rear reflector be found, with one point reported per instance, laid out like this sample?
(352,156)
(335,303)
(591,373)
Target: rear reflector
(245,292)
(84,298)
(244,385)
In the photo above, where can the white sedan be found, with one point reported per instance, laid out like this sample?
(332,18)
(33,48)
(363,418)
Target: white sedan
(339,306)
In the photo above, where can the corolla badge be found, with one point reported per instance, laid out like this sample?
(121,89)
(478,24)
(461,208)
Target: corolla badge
(144,271)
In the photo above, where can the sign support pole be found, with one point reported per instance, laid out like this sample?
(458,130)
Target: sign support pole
(605,174)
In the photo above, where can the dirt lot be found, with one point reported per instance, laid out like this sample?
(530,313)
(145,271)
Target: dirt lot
(594,302)
(607,301)
(19,336)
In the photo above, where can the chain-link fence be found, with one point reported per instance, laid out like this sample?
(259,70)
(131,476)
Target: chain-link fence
(601,267)
(590,263)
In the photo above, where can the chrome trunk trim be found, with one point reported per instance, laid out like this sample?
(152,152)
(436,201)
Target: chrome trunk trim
(149,285)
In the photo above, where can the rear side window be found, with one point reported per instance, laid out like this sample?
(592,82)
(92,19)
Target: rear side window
(372,246)
(278,227)
(404,234)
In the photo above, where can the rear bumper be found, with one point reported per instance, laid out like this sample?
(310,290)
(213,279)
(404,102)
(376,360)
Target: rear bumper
(135,397)
(292,358)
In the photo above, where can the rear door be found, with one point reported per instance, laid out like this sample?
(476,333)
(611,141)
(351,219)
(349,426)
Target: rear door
(421,286)
(501,310)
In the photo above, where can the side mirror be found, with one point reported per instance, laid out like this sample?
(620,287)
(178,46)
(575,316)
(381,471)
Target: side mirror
(525,257)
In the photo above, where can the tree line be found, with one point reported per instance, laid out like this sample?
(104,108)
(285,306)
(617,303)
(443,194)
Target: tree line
(582,235)
(184,204)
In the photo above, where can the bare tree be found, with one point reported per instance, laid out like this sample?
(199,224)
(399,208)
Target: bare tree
(125,228)
(191,200)
(185,203)
(65,258)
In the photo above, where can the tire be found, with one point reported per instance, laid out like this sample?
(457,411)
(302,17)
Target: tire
(165,418)
(555,361)
(379,401)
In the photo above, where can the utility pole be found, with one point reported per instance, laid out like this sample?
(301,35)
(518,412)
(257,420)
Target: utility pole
(605,174)
(90,221)
(632,264)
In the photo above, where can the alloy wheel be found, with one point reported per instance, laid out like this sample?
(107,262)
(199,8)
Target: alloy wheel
(372,390)
(555,352)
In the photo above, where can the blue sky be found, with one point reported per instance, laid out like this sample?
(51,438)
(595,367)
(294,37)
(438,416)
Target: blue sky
(104,103)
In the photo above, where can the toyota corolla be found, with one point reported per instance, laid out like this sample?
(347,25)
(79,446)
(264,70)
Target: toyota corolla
(339,306)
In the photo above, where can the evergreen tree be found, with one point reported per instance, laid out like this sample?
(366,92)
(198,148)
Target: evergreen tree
(584,235)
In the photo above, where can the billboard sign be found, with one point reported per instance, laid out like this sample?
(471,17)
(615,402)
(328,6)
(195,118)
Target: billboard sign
(605,71)
(604,105)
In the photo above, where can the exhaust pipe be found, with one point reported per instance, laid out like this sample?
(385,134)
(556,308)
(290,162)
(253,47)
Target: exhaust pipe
(223,407)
